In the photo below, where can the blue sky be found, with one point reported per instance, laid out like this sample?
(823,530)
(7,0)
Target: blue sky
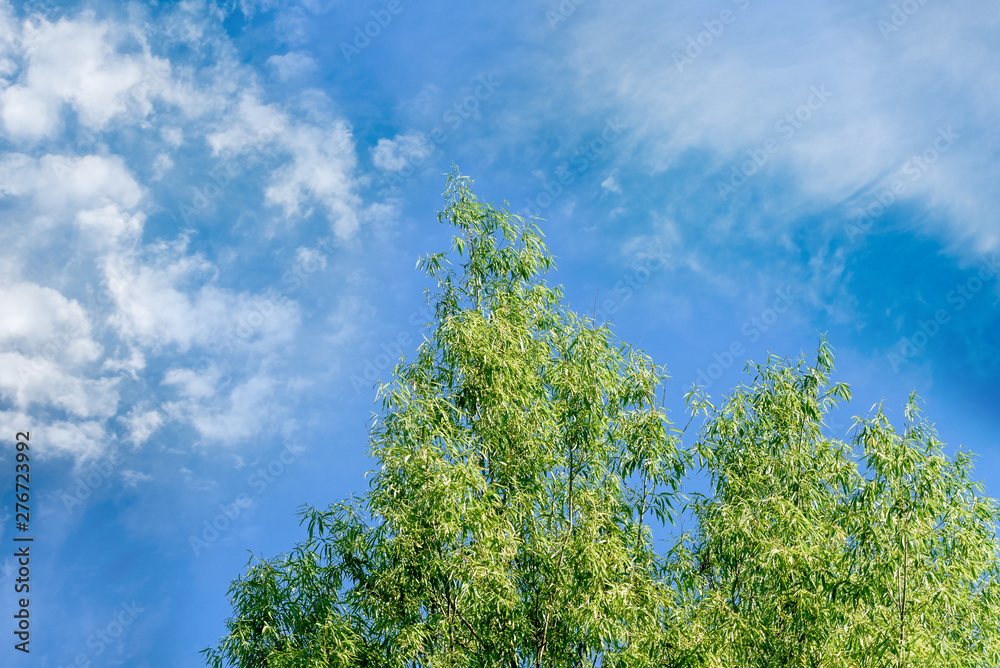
(211,215)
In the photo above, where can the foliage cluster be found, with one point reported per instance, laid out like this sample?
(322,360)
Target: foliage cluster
(523,459)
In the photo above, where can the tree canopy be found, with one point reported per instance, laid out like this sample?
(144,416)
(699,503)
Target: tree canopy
(523,459)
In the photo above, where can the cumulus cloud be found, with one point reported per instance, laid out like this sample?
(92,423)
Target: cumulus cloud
(171,301)
(394,154)
(61,184)
(611,185)
(311,259)
(45,347)
(321,168)
(162,164)
(250,125)
(76,62)
(219,413)
(319,160)
(30,381)
(193,384)
(39,321)
(142,425)
(84,336)
(83,440)
(173,136)
(292,65)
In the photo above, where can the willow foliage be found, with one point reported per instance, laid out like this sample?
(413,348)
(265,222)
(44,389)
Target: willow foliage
(523,456)
(814,552)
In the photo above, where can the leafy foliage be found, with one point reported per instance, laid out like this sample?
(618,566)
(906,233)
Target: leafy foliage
(522,458)
(811,552)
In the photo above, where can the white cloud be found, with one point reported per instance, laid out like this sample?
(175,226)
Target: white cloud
(162,164)
(152,311)
(611,185)
(85,211)
(172,136)
(85,440)
(38,321)
(96,195)
(310,259)
(247,7)
(142,425)
(26,114)
(172,301)
(321,160)
(76,62)
(193,384)
(8,39)
(220,416)
(32,381)
(394,154)
(251,125)
(425,103)
(110,224)
(133,364)
(134,478)
(45,347)
(888,96)
(383,213)
(321,168)
(660,250)
(241,415)
(63,185)
(292,65)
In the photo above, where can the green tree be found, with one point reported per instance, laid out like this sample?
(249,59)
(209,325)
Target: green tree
(522,460)
(522,457)
(812,552)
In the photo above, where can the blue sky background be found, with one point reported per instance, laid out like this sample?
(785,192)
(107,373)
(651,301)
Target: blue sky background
(210,216)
